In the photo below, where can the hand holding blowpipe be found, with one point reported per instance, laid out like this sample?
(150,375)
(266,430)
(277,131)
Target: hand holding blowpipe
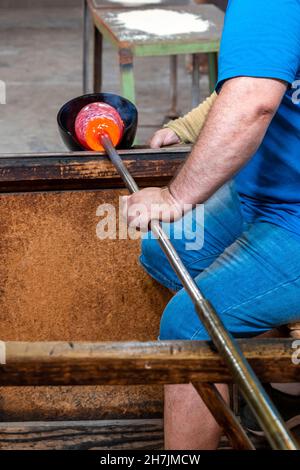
(267,415)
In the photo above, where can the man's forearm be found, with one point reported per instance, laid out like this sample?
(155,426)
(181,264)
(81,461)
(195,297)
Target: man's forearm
(234,129)
(233,132)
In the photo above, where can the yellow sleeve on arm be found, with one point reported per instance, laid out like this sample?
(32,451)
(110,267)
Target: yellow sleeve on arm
(189,126)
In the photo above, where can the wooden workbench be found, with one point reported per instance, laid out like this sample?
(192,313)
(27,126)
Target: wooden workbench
(61,286)
(58,281)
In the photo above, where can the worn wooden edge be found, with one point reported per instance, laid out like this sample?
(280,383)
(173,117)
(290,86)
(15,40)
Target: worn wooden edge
(138,363)
(138,150)
(85,170)
(124,434)
(138,434)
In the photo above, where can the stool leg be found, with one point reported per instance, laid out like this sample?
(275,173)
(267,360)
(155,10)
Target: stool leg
(195,80)
(86,47)
(213,70)
(98,43)
(127,75)
(224,416)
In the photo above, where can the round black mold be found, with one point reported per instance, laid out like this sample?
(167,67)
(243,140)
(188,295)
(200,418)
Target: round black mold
(67,115)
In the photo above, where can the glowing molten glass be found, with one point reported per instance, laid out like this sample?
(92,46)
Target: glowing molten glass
(94,121)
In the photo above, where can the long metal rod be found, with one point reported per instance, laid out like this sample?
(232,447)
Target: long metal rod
(267,415)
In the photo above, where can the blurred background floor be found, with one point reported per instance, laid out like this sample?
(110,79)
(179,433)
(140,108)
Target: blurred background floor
(41,65)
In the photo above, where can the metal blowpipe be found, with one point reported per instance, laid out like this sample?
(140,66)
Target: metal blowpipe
(267,415)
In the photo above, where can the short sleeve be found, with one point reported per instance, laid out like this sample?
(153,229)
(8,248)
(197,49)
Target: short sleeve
(261,38)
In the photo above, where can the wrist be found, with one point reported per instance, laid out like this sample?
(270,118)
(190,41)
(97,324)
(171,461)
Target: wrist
(172,199)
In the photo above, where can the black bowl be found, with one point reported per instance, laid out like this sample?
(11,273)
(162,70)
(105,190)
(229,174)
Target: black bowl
(67,115)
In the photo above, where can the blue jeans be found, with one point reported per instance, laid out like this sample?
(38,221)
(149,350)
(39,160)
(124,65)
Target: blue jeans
(249,272)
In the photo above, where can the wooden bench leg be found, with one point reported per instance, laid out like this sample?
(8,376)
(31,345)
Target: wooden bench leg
(213,70)
(195,80)
(224,416)
(127,74)
(98,43)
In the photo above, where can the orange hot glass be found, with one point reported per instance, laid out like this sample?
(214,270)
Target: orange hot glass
(94,121)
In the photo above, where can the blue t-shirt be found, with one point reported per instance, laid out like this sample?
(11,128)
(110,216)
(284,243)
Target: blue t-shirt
(261,38)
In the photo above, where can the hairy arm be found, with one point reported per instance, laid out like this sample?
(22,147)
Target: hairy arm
(234,130)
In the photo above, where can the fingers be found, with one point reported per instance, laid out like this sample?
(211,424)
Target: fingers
(140,222)
(157,140)
(164,137)
(148,204)
(124,206)
(135,214)
(171,138)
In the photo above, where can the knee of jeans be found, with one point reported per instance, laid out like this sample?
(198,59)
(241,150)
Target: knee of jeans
(168,326)
(172,324)
(150,252)
(156,264)
(180,320)
(155,261)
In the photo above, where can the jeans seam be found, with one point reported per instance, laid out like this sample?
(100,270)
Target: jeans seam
(188,265)
(196,332)
(203,259)
(249,300)
(256,297)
